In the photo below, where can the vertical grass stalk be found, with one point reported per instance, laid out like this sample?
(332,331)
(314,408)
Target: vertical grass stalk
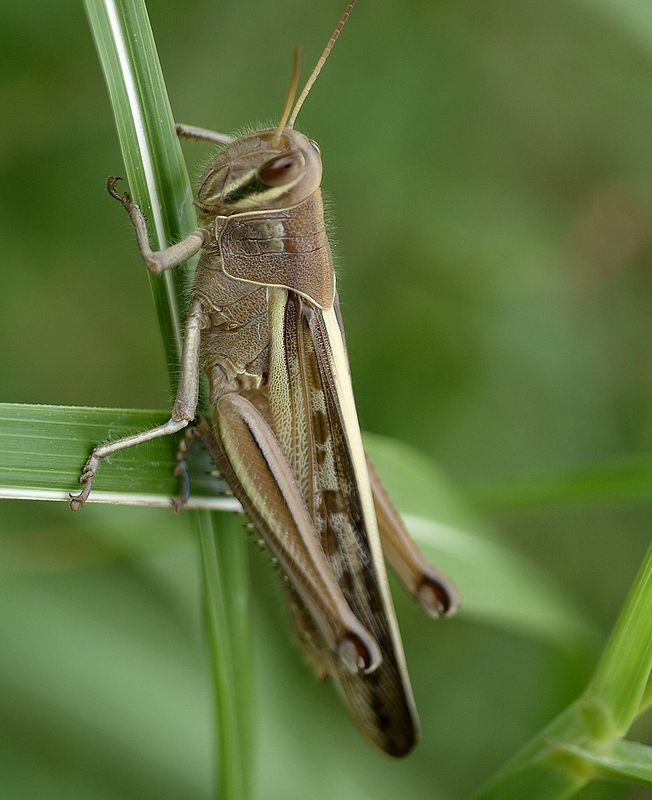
(158,181)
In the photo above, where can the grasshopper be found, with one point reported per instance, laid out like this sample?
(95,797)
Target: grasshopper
(263,318)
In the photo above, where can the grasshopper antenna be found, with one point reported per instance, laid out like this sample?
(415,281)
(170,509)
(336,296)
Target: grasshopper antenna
(292,93)
(320,63)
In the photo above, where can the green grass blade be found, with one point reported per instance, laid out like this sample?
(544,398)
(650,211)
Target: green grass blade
(555,763)
(622,677)
(43,448)
(159,182)
(228,645)
(155,169)
(622,481)
(624,760)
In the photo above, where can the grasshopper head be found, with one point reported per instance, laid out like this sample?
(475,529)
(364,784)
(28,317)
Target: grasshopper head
(272,168)
(262,170)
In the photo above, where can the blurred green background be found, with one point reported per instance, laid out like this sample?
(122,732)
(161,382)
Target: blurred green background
(490,173)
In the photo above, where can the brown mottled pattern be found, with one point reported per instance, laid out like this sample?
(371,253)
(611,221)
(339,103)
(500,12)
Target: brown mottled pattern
(377,701)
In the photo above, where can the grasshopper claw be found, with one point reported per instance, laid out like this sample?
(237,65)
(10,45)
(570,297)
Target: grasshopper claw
(125,200)
(178,504)
(77,500)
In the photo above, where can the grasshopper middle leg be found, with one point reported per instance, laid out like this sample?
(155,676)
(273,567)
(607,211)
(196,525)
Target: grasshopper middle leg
(183,412)
(203,134)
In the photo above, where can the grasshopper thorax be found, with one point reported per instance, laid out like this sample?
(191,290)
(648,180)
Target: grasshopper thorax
(262,170)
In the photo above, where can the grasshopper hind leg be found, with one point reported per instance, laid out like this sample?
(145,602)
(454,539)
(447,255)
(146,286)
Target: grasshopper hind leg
(250,458)
(180,471)
(429,586)
(304,625)
(199,431)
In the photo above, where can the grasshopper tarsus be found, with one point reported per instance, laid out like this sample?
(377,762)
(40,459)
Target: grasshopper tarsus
(90,468)
(197,430)
(111,186)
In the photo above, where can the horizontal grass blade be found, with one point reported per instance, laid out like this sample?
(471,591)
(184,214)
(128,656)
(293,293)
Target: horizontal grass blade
(43,448)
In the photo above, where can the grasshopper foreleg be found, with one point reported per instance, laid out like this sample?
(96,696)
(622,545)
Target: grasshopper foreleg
(183,412)
(157,261)
(203,134)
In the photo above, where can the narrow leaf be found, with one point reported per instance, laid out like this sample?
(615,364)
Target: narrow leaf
(623,760)
(557,756)
(625,480)
(155,169)
(622,677)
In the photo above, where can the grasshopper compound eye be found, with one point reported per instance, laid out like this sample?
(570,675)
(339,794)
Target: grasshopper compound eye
(282,169)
